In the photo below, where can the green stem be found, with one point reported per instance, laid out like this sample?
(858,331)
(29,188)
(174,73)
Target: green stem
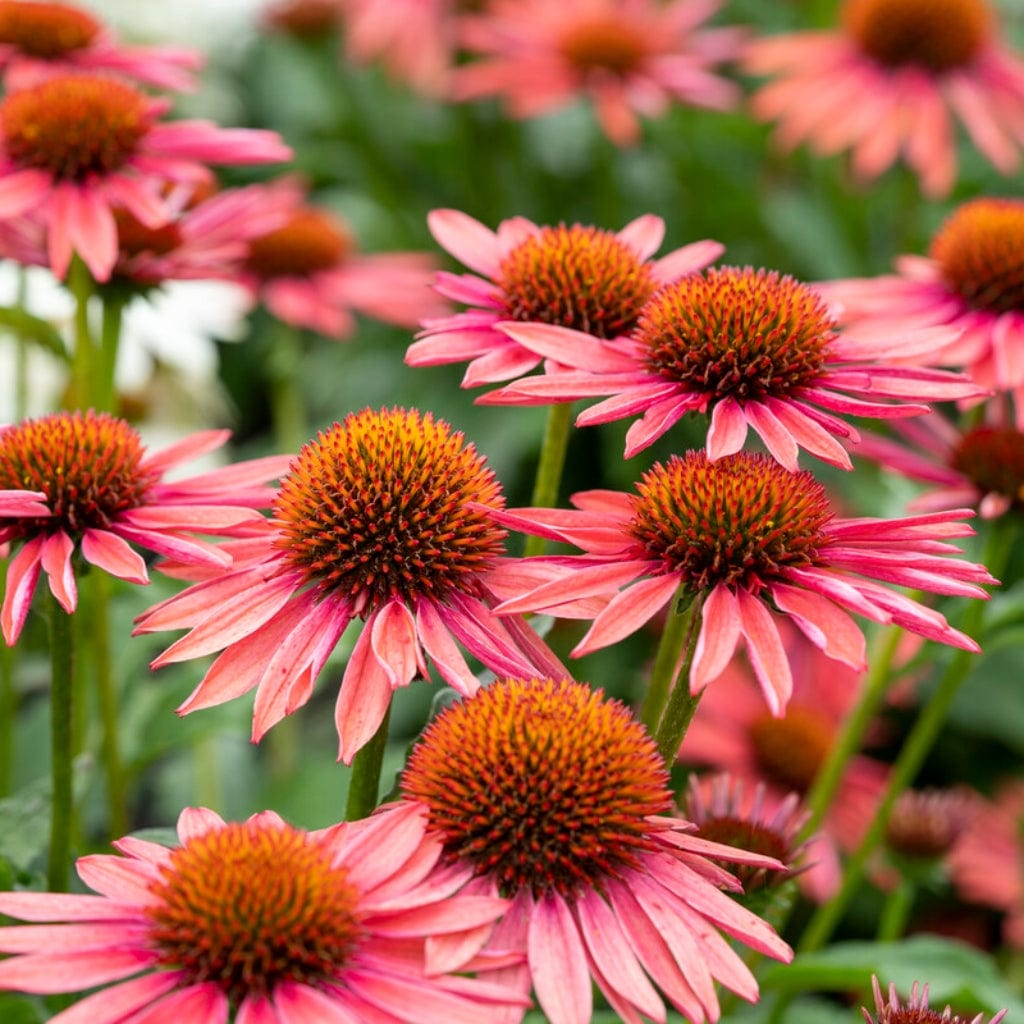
(117,793)
(80,283)
(8,710)
(104,396)
(287,405)
(669,707)
(62,662)
(916,748)
(898,904)
(364,782)
(549,468)
(850,737)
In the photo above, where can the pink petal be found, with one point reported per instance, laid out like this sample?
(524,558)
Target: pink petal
(56,562)
(658,420)
(645,234)
(303,1004)
(394,643)
(574,584)
(58,236)
(766,651)
(20,191)
(111,554)
(568,347)
(192,447)
(627,612)
(719,634)
(55,906)
(118,878)
(728,429)
(93,232)
(363,698)
(22,576)
(376,848)
(204,1003)
(257,1010)
(467,240)
(558,963)
(686,260)
(197,821)
(442,650)
(117,1003)
(776,437)
(49,973)
(828,627)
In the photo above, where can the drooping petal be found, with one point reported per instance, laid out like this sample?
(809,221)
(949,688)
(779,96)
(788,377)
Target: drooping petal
(719,633)
(766,651)
(558,963)
(362,699)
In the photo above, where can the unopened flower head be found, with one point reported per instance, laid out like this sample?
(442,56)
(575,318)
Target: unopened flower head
(253,919)
(888,82)
(753,348)
(83,482)
(572,276)
(747,538)
(556,797)
(925,823)
(386,516)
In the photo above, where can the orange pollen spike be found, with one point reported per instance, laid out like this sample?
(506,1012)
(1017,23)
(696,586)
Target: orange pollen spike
(311,241)
(74,126)
(389,504)
(89,465)
(604,42)
(45,30)
(540,783)
(737,332)
(791,750)
(578,277)
(980,251)
(251,905)
(938,35)
(738,520)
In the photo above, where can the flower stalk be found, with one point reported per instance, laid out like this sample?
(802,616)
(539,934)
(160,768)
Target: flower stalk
(61,704)
(550,467)
(364,781)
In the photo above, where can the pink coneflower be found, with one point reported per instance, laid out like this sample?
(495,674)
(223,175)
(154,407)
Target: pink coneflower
(308,273)
(415,39)
(980,466)
(892,1010)
(254,921)
(83,482)
(987,861)
(746,537)
(556,798)
(732,731)
(628,57)
(887,83)
(972,280)
(77,147)
(388,517)
(40,40)
(756,349)
(584,278)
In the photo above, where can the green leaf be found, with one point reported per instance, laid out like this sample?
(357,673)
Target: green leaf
(33,329)
(19,1010)
(955,973)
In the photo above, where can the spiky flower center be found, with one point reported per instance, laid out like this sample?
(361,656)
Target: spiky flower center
(45,30)
(252,905)
(938,35)
(74,126)
(390,504)
(980,251)
(310,241)
(540,783)
(579,277)
(791,750)
(736,332)
(741,520)
(88,464)
(924,824)
(993,458)
(603,42)
(752,836)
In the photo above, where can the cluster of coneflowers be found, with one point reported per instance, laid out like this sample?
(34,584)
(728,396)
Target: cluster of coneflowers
(535,848)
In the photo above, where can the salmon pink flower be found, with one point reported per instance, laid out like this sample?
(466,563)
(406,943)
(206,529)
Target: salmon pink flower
(733,732)
(389,517)
(972,280)
(308,273)
(887,83)
(254,921)
(76,147)
(893,1010)
(756,349)
(40,40)
(748,539)
(587,279)
(556,798)
(628,57)
(83,482)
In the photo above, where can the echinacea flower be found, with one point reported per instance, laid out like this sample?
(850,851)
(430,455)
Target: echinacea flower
(40,40)
(415,39)
(732,731)
(388,517)
(887,82)
(754,348)
(307,272)
(628,57)
(747,538)
(915,1010)
(254,921)
(971,280)
(76,147)
(980,466)
(82,482)
(584,278)
(557,798)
